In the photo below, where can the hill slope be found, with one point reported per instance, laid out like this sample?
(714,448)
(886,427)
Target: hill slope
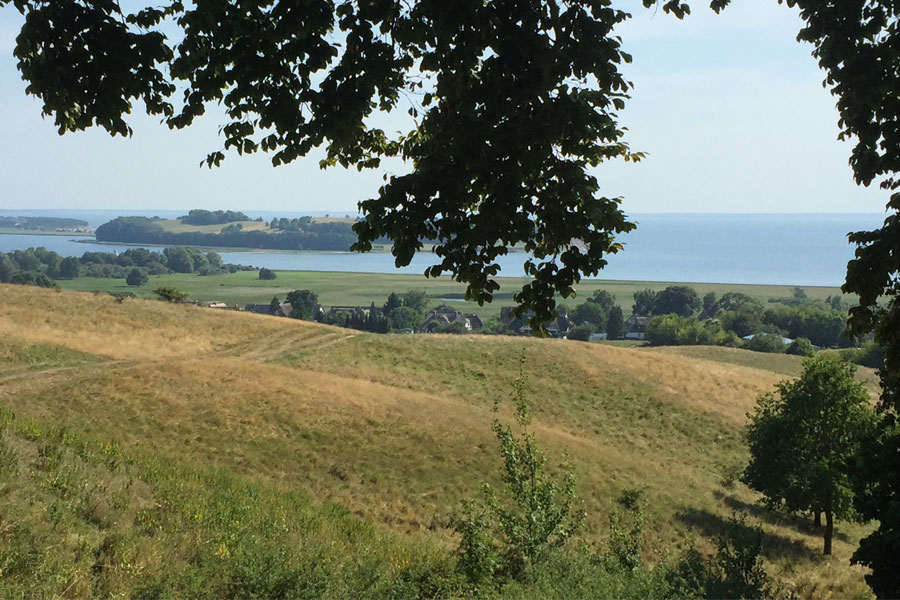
(397,428)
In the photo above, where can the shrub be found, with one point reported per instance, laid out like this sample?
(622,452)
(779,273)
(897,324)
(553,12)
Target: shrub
(671,330)
(137,277)
(267,274)
(800,347)
(582,333)
(765,342)
(170,294)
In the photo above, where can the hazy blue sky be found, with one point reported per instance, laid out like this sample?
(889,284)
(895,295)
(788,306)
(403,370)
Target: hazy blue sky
(729,108)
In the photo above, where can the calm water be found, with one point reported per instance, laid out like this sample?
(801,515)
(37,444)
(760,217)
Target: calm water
(806,249)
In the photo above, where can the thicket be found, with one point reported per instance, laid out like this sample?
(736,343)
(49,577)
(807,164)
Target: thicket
(212,217)
(39,266)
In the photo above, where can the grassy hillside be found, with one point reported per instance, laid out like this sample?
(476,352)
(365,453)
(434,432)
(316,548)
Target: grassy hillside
(361,289)
(177,226)
(394,430)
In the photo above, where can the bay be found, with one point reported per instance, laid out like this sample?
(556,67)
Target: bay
(775,249)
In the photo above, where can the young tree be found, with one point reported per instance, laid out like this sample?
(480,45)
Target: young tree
(505,535)
(615,324)
(804,439)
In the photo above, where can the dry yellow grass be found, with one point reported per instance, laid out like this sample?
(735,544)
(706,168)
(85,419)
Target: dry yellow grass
(397,427)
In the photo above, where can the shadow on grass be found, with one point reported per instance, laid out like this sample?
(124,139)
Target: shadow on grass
(801,523)
(711,525)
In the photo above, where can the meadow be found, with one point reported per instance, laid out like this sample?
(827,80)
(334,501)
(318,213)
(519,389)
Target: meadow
(172,445)
(362,289)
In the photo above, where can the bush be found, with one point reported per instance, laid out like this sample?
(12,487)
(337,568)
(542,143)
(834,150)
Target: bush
(170,294)
(267,274)
(137,277)
(675,330)
(765,342)
(582,333)
(869,355)
(800,347)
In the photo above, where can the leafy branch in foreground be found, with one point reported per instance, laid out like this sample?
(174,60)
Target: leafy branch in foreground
(504,537)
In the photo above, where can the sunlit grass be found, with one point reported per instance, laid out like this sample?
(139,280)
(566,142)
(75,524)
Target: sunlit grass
(397,428)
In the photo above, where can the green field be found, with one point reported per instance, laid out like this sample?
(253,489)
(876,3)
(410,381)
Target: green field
(208,453)
(361,289)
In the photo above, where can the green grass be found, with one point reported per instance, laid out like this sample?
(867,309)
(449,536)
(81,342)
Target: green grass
(362,289)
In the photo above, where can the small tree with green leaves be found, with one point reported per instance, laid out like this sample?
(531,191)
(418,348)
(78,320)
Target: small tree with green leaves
(804,441)
(137,277)
(504,536)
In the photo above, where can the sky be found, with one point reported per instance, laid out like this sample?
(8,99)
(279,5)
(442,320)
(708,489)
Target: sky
(729,108)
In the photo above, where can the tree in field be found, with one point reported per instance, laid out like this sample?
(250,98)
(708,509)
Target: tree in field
(615,324)
(137,277)
(303,304)
(267,274)
(805,440)
(677,299)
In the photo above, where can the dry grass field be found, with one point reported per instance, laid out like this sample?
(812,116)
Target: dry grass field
(396,428)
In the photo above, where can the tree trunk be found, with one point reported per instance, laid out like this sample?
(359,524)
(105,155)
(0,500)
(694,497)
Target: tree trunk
(817,519)
(829,529)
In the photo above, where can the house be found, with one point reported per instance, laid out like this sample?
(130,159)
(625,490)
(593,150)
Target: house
(339,313)
(636,327)
(784,340)
(519,325)
(260,309)
(443,316)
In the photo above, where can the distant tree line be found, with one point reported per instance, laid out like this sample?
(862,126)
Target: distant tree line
(337,236)
(41,223)
(679,317)
(212,217)
(39,266)
(398,313)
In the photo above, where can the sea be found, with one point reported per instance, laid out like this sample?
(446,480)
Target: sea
(768,249)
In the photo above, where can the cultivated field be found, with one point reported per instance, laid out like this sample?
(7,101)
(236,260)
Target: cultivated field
(361,289)
(386,433)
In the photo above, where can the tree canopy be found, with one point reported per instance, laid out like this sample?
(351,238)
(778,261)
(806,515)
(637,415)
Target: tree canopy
(513,102)
(805,440)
